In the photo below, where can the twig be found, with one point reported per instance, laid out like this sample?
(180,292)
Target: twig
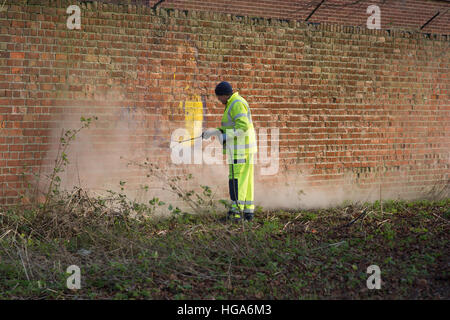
(51,290)
(2,7)
(337,244)
(78,173)
(245,236)
(434,214)
(229,275)
(363,214)
(379,224)
(3,235)
(71,198)
(23,264)
(28,259)
(381,201)
(285,226)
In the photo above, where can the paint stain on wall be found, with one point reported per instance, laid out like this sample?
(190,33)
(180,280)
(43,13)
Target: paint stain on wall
(193,115)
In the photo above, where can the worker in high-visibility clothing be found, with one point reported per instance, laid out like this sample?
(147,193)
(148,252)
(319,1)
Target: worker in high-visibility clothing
(238,138)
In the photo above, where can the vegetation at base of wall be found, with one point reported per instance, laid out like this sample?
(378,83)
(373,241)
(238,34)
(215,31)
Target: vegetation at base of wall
(301,254)
(125,252)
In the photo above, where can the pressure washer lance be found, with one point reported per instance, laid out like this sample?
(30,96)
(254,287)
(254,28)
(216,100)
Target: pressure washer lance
(187,140)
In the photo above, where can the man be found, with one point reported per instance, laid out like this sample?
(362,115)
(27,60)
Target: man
(238,138)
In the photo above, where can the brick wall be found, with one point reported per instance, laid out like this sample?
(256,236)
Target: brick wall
(355,107)
(395,14)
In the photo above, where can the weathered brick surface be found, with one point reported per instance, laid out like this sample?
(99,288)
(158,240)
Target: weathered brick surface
(354,106)
(395,14)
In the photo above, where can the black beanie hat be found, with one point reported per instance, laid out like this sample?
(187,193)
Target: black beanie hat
(224,89)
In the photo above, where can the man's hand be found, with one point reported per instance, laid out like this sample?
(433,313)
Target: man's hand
(211,133)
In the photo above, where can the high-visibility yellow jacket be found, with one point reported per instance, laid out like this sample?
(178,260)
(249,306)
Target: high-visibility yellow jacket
(237,128)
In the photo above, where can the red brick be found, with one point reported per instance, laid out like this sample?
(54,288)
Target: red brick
(347,101)
(17,55)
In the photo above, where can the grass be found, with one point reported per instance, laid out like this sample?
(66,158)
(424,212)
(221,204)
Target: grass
(298,254)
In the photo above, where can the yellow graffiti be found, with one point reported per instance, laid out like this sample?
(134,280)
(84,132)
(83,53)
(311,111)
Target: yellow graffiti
(193,115)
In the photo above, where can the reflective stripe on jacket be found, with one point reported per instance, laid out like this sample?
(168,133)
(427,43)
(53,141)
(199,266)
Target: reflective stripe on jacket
(237,126)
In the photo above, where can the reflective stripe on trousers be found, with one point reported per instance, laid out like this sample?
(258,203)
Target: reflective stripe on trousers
(241,185)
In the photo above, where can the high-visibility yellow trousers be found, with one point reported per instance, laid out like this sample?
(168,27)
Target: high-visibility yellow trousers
(241,186)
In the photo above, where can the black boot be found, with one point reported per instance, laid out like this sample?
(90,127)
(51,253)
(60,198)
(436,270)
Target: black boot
(248,216)
(232,217)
